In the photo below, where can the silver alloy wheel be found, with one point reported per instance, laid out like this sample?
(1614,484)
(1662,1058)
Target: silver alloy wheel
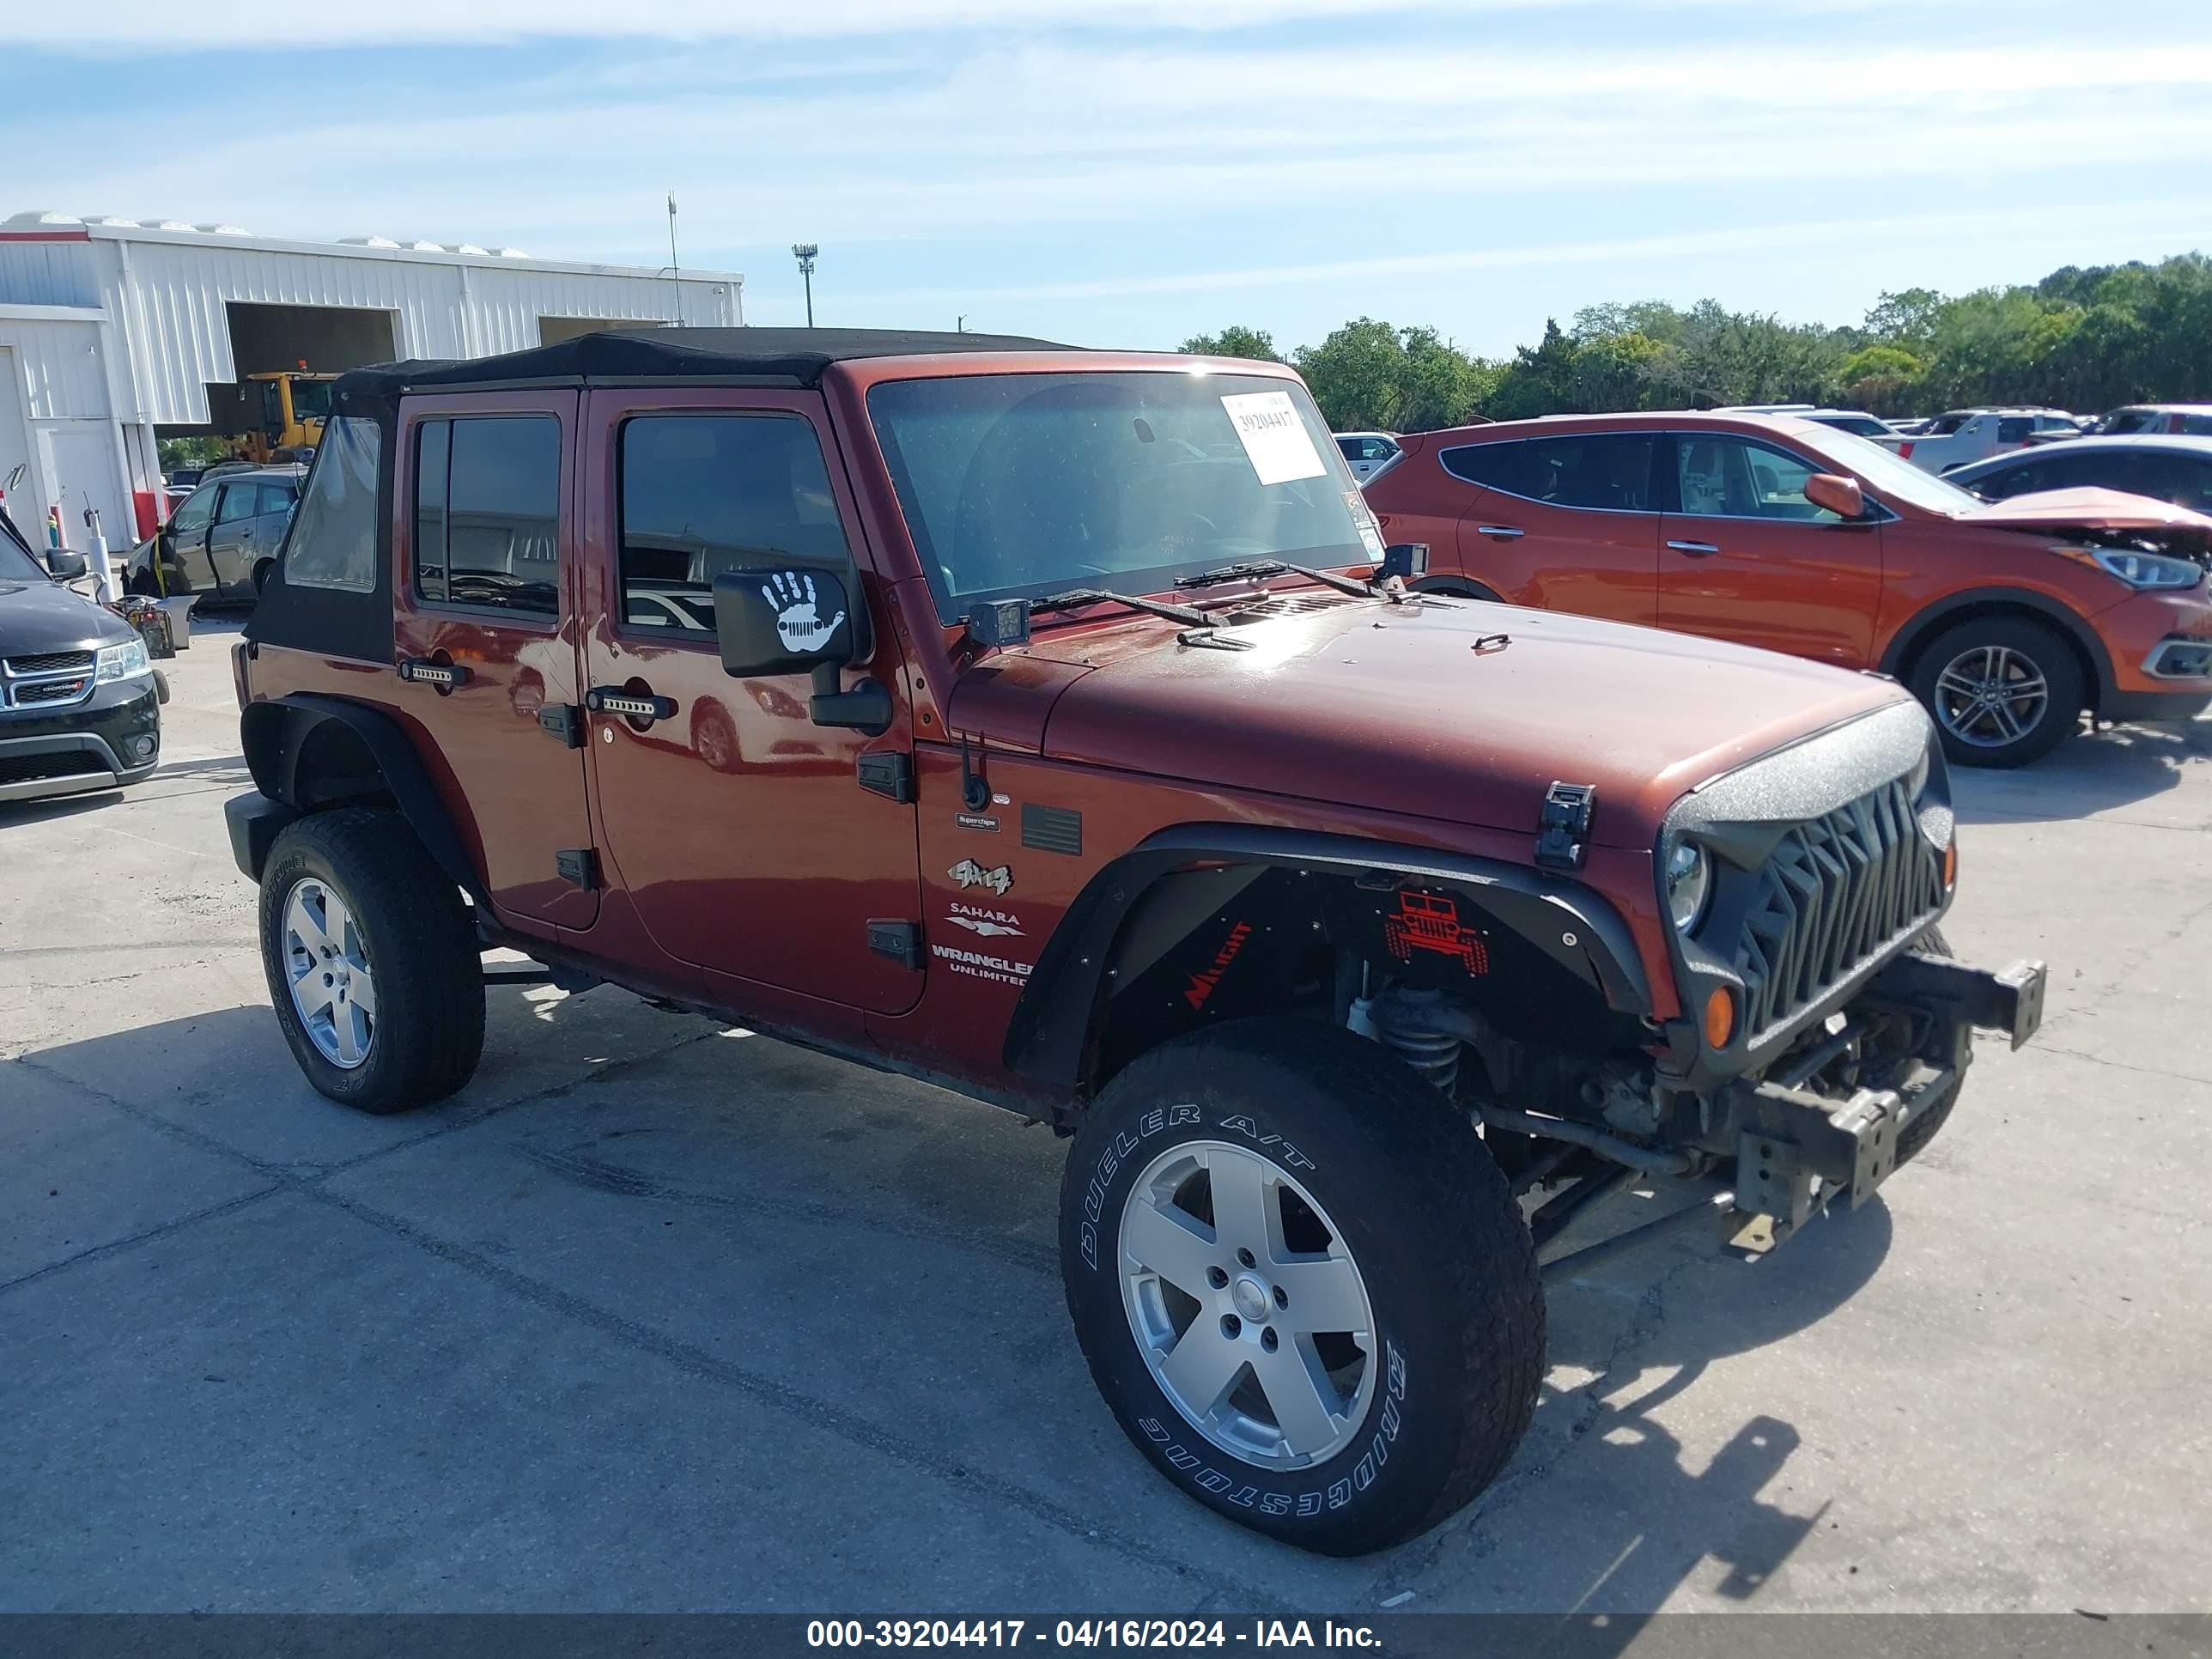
(1246,1305)
(1991,696)
(333,990)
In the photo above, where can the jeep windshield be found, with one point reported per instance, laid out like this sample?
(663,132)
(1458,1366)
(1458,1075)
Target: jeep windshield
(1020,486)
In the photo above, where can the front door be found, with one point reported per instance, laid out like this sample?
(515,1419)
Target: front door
(737,826)
(1565,522)
(233,542)
(182,545)
(1745,557)
(484,582)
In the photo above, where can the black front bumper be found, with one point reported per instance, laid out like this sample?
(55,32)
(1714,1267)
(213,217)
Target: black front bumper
(111,738)
(1799,1147)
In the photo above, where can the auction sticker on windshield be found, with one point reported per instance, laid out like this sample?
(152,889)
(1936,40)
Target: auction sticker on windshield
(1273,436)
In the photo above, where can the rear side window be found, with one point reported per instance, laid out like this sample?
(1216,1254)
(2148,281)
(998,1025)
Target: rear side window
(2014,428)
(277,498)
(1607,471)
(487,512)
(2198,425)
(2123,421)
(706,494)
(333,539)
(239,500)
(2184,480)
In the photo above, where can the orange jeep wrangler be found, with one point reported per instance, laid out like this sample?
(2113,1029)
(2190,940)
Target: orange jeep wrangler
(1054,727)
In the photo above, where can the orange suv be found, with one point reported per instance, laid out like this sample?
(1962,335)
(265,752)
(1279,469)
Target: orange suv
(2007,620)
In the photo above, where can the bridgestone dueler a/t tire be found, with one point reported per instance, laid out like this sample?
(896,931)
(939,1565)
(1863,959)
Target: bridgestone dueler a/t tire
(1440,1243)
(423,952)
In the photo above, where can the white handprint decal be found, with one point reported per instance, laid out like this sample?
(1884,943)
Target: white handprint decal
(791,593)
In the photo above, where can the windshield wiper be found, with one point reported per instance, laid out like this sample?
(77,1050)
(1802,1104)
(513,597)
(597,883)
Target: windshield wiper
(1074,598)
(1229,572)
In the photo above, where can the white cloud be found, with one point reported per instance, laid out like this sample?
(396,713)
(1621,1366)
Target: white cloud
(142,24)
(1902,230)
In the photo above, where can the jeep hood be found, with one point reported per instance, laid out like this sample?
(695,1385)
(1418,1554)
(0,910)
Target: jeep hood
(1467,713)
(2089,512)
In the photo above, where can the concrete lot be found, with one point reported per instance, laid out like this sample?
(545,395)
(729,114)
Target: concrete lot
(655,1315)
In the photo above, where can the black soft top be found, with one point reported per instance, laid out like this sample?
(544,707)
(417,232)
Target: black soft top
(771,356)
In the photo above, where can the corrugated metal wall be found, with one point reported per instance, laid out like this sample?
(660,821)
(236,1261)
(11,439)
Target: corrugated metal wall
(59,362)
(166,298)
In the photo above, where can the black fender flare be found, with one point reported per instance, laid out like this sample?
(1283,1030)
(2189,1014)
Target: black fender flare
(1568,921)
(277,733)
(1923,627)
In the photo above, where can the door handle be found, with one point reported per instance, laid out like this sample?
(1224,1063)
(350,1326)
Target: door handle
(1503,532)
(421,670)
(1695,549)
(636,706)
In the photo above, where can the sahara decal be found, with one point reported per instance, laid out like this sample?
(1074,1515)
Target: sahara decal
(968,873)
(1428,921)
(1201,985)
(989,923)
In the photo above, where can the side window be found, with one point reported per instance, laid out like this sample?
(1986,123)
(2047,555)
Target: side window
(333,539)
(2184,480)
(1610,471)
(1494,466)
(2014,428)
(275,498)
(2008,482)
(197,510)
(2198,425)
(238,501)
(704,494)
(1733,477)
(487,512)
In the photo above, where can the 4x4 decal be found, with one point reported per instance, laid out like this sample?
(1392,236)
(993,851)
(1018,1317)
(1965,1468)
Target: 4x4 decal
(1427,921)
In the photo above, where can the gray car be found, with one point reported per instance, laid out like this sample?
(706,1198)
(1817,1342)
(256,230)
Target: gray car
(2168,469)
(222,542)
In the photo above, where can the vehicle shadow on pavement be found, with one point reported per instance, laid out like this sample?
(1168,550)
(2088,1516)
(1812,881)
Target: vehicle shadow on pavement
(2100,771)
(606,1150)
(1617,1503)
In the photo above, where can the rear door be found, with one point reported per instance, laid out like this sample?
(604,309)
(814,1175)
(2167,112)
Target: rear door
(485,588)
(1568,523)
(738,829)
(1746,558)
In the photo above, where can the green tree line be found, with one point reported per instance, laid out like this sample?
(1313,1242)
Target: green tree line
(2084,339)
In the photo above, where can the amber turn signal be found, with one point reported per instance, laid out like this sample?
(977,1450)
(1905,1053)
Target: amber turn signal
(1720,1018)
(1951,862)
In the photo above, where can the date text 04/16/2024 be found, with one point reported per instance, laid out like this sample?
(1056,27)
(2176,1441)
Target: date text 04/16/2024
(1088,1633)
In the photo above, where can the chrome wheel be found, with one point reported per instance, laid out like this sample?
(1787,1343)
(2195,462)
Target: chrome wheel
(1991,696)
(1246,1305)
(333,990)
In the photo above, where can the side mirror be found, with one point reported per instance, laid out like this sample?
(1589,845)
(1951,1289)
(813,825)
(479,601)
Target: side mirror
(1839,494)
(802,617)
(65,566)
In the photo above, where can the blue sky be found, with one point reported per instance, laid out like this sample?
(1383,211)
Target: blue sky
(1130,173)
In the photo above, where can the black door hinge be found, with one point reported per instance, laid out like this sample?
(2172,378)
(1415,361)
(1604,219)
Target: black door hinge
(565,721)
(1563,826)
(890,775)
(579,867)
(899,941)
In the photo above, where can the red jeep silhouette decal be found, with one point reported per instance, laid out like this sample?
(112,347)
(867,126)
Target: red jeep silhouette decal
(1426,922)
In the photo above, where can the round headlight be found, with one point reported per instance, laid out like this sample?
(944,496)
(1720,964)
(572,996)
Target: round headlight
(1689,881)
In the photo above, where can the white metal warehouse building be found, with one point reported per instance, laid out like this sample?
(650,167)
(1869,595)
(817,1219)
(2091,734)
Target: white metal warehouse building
(113,333)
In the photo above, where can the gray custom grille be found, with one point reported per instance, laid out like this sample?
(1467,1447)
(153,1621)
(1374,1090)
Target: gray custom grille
(1837,891)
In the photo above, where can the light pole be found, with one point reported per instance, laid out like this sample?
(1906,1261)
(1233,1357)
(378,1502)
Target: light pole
(804,252)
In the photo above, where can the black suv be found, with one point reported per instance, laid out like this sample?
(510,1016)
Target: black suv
(78,708)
